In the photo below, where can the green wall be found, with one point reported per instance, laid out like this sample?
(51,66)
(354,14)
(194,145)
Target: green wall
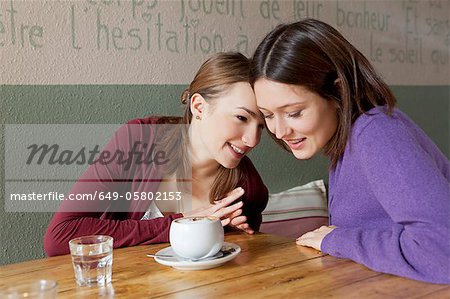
(21,234)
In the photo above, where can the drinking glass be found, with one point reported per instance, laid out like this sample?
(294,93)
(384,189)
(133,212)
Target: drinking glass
(92,258)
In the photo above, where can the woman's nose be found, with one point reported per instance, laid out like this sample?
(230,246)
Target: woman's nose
(252,137)
(280,129)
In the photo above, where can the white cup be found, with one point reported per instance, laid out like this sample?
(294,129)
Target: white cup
(196,237)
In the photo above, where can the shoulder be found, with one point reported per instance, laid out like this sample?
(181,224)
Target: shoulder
(374,116)
(136,130)
(146,126)
(396,138)
(377,123)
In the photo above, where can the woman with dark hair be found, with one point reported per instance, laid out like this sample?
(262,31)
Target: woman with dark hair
(204,168)
(389,201)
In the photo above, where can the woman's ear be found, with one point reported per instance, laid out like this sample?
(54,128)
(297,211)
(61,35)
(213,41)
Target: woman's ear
(198,105)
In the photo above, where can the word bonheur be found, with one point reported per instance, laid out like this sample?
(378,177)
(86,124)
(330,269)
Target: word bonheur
(138,154)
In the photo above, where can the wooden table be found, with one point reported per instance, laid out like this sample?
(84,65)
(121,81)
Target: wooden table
(268,266)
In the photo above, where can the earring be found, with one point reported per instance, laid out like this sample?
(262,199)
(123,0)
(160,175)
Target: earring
(198,117)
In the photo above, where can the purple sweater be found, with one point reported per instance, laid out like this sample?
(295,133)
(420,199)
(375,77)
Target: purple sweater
(389,198)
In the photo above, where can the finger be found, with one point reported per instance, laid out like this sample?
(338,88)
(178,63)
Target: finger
(236,213)
(228,210)
(249,231)
(235,194)
(304,236)
(234,190)
(301,242)
(244,226)
(238,221)
(225,221)
(324,227)
(304,241)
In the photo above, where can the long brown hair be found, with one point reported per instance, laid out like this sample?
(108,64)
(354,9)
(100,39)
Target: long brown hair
(312,54)
(212,79)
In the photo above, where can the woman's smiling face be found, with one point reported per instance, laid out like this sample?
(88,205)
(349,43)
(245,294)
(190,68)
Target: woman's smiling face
(230,126)
(304,120)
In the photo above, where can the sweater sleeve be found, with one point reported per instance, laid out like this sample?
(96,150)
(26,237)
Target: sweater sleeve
(80,218)
(256,197)
(407,183)
(127,232)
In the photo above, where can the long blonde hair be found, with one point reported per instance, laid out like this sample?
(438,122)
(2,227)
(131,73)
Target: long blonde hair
(212,79)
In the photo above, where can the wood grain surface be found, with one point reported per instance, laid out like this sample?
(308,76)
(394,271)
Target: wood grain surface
(268,267)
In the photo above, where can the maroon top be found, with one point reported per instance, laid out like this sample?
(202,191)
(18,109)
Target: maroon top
(121,218)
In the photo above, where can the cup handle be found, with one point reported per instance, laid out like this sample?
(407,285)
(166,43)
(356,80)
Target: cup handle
(212,252)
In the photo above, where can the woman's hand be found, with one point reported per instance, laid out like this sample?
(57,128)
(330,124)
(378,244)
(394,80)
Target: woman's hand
(314,239)
(222,210)
(240,222)
(237,220)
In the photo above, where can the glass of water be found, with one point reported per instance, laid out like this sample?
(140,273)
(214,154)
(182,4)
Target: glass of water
(92,258)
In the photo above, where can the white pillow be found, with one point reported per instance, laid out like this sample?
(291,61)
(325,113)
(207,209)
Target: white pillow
(295,211)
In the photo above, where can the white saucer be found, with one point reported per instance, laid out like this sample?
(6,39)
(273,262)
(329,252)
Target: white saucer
(231,251)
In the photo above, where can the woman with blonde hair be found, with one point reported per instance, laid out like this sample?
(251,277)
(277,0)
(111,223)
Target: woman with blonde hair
(204,160)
